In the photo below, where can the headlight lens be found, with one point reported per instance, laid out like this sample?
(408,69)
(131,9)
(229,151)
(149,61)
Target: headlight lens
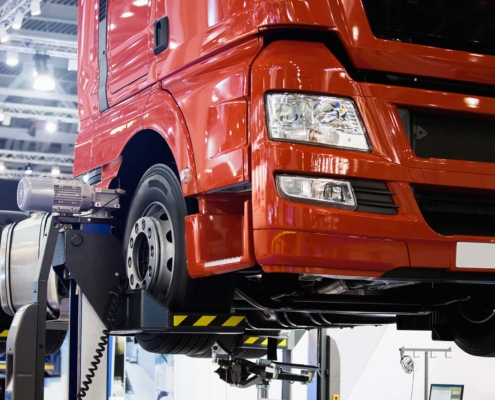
(321,120)
(329,192)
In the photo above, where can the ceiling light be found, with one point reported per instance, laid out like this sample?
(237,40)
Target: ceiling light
(55,170)
(35,7)
(12,58)
(4,36)
(2,166)
(28,170)
(6,120)
(51,126)
(43,81)
(18,20)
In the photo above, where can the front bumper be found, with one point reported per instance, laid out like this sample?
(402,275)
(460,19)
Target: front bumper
(301,238)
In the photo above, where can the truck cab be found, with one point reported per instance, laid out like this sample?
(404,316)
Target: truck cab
(323,163)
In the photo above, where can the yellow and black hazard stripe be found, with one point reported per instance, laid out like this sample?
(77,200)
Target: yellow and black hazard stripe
(261,342)
(210,321)
(4,334)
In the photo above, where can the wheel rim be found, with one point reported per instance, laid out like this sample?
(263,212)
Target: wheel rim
(151,250)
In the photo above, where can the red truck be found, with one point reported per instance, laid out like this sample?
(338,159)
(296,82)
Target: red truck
(308,163)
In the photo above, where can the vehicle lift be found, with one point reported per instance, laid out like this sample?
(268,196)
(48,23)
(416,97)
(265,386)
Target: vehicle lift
(82,251)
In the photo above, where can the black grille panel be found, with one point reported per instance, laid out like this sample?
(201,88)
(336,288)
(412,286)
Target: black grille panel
(373,197)
(447,137)
(455,212)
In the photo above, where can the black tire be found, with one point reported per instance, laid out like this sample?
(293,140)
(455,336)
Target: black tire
(230,344)
(54,341)
(473,327)
(159,187)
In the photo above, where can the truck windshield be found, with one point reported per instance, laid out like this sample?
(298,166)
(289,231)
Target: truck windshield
(467,25)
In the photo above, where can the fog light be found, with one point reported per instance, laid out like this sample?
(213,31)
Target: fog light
(329,192)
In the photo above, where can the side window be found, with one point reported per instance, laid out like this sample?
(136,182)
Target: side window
(127,42)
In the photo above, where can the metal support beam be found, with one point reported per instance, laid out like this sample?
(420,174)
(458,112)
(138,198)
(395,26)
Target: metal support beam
(15,174)
(29,111)
(33,94)
(41,136)
(26,43)
(21,157)
(10,9)
(57,13)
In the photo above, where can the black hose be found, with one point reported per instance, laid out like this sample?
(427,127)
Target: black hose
(114,298)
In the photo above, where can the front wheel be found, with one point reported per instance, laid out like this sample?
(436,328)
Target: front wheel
(155,254)
(473,326)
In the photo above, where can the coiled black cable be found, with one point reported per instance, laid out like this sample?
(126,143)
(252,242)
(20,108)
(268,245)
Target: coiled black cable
(113,305)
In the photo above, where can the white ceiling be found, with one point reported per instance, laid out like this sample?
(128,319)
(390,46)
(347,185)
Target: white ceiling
(53,32)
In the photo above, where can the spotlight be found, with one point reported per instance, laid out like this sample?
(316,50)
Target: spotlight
(18,20)
(4,36)
(86,178)
(12,58)
(51,126)
(2,166)
(55,171)
(35,8)
(43,81)
(28,170)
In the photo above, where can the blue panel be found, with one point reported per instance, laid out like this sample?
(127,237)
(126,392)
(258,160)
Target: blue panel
(97,228)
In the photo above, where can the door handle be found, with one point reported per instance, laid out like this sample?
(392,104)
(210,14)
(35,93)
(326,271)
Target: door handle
(161,35)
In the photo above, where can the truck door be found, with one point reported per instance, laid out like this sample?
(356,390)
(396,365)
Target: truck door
(128,43)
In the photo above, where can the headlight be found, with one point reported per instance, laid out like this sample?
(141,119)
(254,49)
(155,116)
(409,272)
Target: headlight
(320,120)
(329,192)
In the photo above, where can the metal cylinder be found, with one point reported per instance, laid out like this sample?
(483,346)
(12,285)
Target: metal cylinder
(19,251)
(53,195)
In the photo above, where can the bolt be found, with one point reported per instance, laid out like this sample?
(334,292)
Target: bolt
(136,228)
(143,224)
(129,262)
(152,251)
(77,240)
(132,279)
(131,243)
(150,271)
(149,233)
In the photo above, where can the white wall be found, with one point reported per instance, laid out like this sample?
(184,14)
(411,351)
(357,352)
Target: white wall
(370,366)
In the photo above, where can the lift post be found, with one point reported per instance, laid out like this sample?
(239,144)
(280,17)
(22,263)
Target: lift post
(25,378)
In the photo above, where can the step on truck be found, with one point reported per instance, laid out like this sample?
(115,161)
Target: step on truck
(307,164)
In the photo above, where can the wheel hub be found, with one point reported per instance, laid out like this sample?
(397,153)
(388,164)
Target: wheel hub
(150,251)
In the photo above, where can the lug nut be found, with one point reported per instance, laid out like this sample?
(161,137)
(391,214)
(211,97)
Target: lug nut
(143,224)
(132,279)
(129,262)
(136,228)
(150,271)
(149,233)
(152,251)
(131,243)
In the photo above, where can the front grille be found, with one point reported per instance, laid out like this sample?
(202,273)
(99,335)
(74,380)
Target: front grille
(451,138)
(457,212)
(373,197)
